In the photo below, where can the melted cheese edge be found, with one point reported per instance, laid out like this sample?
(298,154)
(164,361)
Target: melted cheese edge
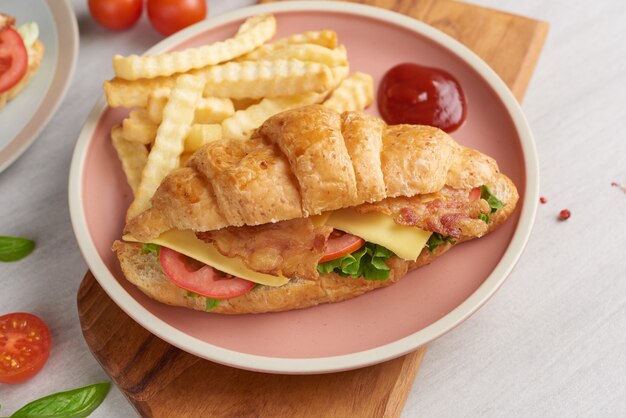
(186,242)
(405,241)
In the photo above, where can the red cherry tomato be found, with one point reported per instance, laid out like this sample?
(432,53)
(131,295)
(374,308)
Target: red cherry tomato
(169,16)
(116,14)
(24,346)
(337,247)
(206,281)
(13,58)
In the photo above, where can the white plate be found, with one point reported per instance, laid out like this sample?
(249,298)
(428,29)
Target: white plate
(24,117)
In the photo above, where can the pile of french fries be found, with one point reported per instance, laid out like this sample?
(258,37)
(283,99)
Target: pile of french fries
(183,100)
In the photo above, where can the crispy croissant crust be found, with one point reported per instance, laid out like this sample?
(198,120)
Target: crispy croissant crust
(303,162)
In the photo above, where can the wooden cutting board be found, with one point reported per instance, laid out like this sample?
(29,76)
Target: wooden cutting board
(162,381)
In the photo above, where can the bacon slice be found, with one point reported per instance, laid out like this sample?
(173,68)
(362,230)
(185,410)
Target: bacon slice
(449,212)
(292,248)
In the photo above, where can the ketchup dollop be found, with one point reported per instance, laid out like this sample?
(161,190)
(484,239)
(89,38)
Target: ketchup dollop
(418,95)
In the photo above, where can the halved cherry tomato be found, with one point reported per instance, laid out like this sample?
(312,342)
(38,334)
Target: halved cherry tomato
(116,14)
(474,194)
(169,16)
(24,346)
(205,281)
(13,58)
(337,247)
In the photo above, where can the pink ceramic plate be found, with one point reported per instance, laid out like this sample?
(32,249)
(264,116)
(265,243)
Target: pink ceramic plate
(369,329)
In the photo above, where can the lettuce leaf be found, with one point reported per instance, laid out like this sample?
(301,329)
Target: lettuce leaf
(437,239)
(150,249)
(494,202)
(370,262)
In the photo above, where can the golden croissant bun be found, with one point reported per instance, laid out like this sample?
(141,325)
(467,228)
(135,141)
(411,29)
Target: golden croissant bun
(301,163)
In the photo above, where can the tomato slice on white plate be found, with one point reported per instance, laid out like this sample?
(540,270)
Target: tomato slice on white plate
(205,281)
(337,247)
(13,58)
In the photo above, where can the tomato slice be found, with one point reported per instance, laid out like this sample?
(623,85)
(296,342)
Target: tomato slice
(24,346)
(205,281)
(474,194)
(13,58)
(337,247)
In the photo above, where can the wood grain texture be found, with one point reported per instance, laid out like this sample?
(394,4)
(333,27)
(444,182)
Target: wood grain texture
(160,380)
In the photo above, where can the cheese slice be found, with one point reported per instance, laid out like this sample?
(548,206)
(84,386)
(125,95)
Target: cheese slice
(320,220)
(405,241)
(186,242)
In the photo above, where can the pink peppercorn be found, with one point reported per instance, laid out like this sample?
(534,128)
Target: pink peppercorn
(564,214)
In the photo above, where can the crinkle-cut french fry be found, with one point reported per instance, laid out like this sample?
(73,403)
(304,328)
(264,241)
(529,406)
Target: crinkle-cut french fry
(124,93)
(213,110)
(156,102)
(133,156)
(235,80)
(138,127)
(243,122)
(354,93)
(339,74)
(170,139)
(308,52)
(254,32)
(209,109)
(245,102)
(266,78)
(201,134)
(325,38)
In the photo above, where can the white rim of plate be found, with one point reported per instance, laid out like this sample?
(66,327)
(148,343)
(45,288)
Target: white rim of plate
(319,364)
(67,36)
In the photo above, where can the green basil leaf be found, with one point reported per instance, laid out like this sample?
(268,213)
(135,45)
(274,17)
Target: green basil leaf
(191,294)
(15,248)
(150,248)
(494,202)
(211,304)
(484,217)
(76,403)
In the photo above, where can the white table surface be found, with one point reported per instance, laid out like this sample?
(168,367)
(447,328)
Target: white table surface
(552,342)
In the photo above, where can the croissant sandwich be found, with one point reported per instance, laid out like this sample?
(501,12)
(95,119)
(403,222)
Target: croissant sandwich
(316,207)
